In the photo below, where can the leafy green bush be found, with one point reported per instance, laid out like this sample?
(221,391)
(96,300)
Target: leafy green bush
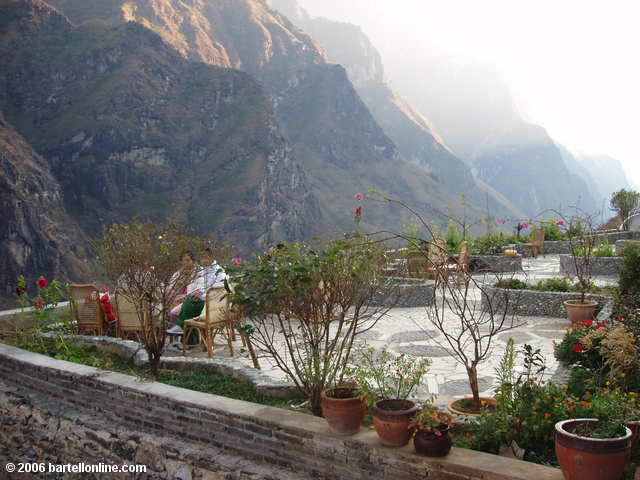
(602,250)
(552,230)
(554,285)
(490,244)
(627,299)
(512,284)
(580,381)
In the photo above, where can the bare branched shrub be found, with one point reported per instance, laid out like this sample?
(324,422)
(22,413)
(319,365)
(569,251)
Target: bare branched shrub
(307,304)
(145,261)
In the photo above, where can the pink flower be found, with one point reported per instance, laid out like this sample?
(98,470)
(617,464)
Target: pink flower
(39,304)
(560,223)
(236,260)
(524,225)
(42,282)
(358,211)
(621,319)
(602,325)
(358,197)
(501,221)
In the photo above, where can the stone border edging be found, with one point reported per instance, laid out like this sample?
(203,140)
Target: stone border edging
(599,265)
(290,439)
(563,246)
(231,368)
(532,302)
(496,263)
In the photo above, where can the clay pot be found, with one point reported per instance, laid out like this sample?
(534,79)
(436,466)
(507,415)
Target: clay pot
(583,458)
(488,402)
(578,311)
(342,409)
(635,430)
(391,419)
(432,445)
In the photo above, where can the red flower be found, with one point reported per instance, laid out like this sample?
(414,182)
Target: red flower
(578,348)
(602,325)
(621,319)
(358,211)
(42,282)
(587,323)
(21,290)
(39,304)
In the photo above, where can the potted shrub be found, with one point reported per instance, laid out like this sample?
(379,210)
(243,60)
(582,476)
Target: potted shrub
(431,432)
(590,449)
(389,380)
(343,407)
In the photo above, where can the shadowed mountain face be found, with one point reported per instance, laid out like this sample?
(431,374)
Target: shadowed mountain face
(37,237)
(339,144)
(130,128)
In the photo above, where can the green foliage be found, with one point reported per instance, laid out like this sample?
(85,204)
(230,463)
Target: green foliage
(580,381)
(627,298)
(625,203)
(454,238)
(381,374)
(490,244)
(554,285)
(413,239)
(552,231)
(512,284)
(602,250)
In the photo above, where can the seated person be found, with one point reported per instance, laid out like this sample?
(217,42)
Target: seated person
(210,275)
(177,282)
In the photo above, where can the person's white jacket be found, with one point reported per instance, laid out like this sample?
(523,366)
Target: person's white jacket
(211,276)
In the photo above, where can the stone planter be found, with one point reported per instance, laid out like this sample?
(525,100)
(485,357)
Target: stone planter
(495,263)
(599,265)
(410,292)
(533,303)
(564,247)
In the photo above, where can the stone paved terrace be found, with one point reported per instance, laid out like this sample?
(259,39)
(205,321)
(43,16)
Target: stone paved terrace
(407,330)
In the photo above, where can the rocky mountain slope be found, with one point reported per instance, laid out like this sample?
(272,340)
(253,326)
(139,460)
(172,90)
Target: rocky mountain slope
(131,128)
(609,172)
(37,237)
(348,45)
(339,143)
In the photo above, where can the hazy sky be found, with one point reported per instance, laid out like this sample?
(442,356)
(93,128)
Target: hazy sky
(574,64)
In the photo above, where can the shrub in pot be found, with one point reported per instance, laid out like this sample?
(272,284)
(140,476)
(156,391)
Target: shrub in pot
(388,380)
(344,408)
(431,432)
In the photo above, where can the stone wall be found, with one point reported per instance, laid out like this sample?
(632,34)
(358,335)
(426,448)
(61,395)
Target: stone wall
(495,263)
(564,247)
(599,265)
(532,302)
(406,293)
(62,412)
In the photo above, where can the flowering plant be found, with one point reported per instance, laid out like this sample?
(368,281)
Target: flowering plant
(384,375)
(430,419)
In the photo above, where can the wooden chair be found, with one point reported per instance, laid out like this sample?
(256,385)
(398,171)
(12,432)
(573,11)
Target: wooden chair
(127,320)
(85,309)
(537,242)
(215,320)
(461,266)
(436,265)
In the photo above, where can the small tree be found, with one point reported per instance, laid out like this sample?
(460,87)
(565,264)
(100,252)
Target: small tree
(308,304)
(582,239)
(144,259)
(625,203)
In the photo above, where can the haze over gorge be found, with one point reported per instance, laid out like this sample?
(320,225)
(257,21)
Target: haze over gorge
(257,122)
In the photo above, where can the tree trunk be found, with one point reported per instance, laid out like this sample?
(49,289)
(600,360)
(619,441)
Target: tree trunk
(154,364)
(472,373)
(316,408)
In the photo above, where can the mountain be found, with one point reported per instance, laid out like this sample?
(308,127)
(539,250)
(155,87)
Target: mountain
(130,128)
(609,172)
(412,133)
(332,133)
(37,237)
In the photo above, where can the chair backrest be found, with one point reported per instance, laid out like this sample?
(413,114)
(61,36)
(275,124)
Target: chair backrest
(126,311)
(85,305)
(463,256)
(537,235)
(216,307)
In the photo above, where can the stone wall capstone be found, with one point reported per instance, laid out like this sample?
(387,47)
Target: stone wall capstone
(192,431)
(599,265)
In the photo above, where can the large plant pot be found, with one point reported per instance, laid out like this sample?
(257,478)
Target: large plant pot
(583,458)
(635,431)
(391,419)
(342,409)
(432,445)
(578,311)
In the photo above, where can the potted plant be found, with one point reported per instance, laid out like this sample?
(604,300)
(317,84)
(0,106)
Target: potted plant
(344,407)
(388,380)
(581,241)
(590,449)
(430,429)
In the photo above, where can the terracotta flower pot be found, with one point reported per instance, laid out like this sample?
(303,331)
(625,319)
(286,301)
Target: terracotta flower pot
(432,445)
(584,458)
(578,311)
(342,409)
(391,419)
(486,402)
(635,430)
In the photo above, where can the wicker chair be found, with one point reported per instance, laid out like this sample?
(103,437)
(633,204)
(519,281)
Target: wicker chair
(85,309)
(215,320)
(436,266)
(461,266)
(537,242)
(128,322)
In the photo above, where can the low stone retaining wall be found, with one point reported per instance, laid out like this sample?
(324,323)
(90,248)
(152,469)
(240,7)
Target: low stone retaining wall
(413,292)
(201,431)
(133,351)
(531,302)
(564,247)
(599,265)
(495,263)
